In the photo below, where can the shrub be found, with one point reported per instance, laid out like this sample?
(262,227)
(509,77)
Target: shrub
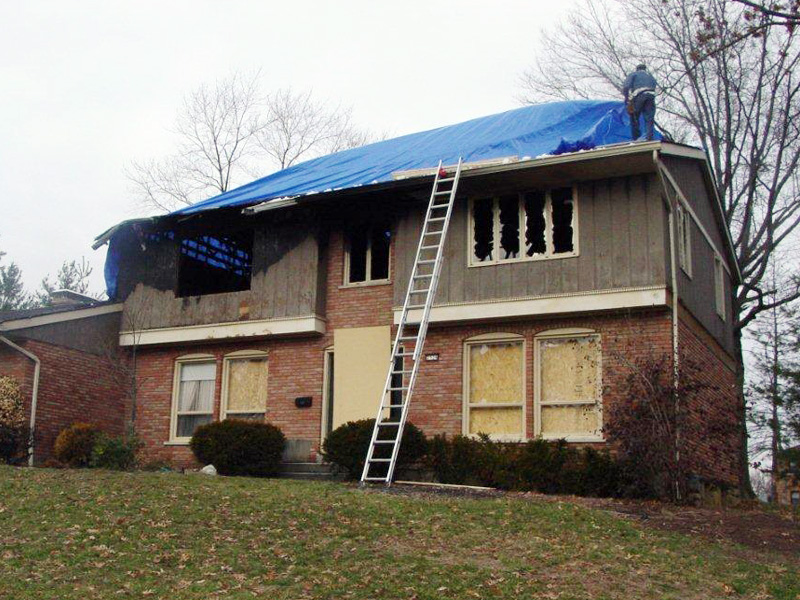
(538,465)
(74,444)
(239,447)
(115,452)
(347,445)
(14,431)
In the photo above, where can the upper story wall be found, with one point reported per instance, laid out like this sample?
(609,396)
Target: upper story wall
(285,282)
(619,225)
(696,282)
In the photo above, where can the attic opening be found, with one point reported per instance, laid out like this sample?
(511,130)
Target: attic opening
(214,264)
(531,225)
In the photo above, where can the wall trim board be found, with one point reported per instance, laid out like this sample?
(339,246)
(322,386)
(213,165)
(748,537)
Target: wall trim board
(71,315)
(311,324)
(544,305)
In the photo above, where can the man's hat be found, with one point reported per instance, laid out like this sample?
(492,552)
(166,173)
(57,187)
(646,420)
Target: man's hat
(641,67)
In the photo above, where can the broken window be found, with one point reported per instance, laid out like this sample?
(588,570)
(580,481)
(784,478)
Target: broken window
(368,249)
(495,388)
(245,393)
(483,229)
(213,264)
(569,392)
(562,211)
(545,221)
(194,397)
(535,224)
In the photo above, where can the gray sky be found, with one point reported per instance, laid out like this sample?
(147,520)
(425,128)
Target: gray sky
(89,86)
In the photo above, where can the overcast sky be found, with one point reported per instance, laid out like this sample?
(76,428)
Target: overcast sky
(89,86)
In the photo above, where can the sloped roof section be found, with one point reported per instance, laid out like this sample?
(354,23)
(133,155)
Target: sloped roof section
(531,131)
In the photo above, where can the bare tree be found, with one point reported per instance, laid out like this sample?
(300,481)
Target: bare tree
(216,127)
(302,127)
(232,132)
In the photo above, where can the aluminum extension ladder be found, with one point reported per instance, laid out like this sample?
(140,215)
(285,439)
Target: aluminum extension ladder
(384,446)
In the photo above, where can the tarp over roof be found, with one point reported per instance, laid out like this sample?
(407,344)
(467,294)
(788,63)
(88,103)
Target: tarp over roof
(531,131)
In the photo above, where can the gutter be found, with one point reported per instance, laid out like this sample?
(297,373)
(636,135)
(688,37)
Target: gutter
(35,392)
(660,168)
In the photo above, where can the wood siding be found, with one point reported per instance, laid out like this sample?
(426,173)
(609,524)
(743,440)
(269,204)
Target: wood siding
(697,293)
(285,283)
(621,245)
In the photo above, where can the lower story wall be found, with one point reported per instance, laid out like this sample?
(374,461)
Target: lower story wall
(74,386)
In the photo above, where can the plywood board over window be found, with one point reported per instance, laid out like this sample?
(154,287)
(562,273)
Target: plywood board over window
(494,386)
(244,394)
(568,386)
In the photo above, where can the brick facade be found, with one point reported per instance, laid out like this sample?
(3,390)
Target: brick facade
(296,369)
(74,386)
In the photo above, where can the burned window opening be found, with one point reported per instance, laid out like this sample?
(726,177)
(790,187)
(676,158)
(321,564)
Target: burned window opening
(368,250)
(562,212)
(215,264)
(483,229)
(509,226)
(535,224)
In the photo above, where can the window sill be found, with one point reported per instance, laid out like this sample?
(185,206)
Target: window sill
(362,284)
(177,443)
(574,438)
(528,259)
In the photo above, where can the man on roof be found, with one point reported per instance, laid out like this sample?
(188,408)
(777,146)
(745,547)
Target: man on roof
(640,97)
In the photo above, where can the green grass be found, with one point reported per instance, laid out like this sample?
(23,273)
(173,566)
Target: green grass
(97,534)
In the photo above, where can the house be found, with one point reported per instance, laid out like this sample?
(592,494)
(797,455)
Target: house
(571,252)
(64,358)
(787,478)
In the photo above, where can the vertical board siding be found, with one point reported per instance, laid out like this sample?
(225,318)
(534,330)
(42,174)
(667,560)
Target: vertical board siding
(620,237)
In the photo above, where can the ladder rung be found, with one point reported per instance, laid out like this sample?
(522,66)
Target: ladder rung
(433,233)
(425,291)
(388,423)
(401,372)
(429,247)
(374,478)
(446,179)
(408,338)
(423,276)
(427,261)
(394,406)
(397,389)
(415,306)
(394,441)
(440,205)
(435,219)
(442,193)
(380,460)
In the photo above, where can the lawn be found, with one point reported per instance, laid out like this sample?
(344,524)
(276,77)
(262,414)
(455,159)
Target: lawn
(96,534)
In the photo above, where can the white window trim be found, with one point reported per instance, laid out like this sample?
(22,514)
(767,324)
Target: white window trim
(226,365)
(174,440)
(346,283)
(719,286)
(548,232)
(684,240)
(537,386)
(466,405)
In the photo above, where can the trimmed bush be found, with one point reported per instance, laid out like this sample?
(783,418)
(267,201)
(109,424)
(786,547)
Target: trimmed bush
(14,430)
(538,465)
(347,445)
(115,452)
(74,444)
(239,447)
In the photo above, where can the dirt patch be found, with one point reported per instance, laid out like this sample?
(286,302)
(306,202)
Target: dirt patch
(755,527)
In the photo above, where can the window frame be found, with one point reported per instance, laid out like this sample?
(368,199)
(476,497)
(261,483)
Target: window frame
(494,338)
(548,232)
(176,386)
(226,365)
(684,224)
(567,333)
(719,287)
(368,269)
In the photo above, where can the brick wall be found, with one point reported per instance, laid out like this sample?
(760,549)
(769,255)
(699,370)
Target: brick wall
(74,386)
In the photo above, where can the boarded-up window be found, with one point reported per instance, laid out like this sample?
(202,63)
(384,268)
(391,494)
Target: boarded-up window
(527,226)
(569,387)
(246,388)
(194,398)
(684,239)
(719,286)
(495,388)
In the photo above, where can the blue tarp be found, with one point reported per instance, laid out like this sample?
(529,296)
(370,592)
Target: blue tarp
(531,131)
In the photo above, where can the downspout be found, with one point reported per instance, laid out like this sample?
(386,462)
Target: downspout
(675,300)
(35,393)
